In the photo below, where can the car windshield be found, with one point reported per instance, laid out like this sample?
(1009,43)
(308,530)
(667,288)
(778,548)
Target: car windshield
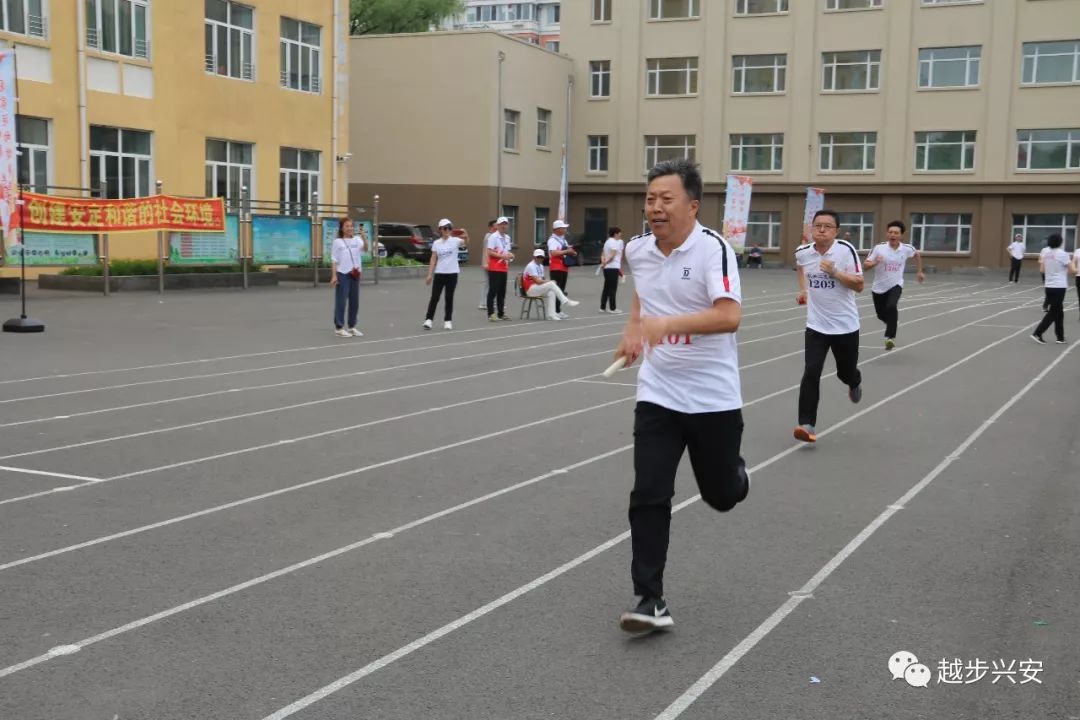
(425,231)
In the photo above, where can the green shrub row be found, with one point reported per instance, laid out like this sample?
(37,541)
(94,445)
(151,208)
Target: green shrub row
(149,267)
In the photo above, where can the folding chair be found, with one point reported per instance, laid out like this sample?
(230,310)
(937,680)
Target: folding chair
(527,302)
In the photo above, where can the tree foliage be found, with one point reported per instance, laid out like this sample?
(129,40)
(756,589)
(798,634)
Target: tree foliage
(372,17)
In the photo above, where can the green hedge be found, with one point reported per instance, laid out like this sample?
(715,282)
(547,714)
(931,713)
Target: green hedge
(149,267)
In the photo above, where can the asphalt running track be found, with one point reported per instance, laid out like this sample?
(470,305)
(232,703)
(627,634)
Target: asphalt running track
(212,508)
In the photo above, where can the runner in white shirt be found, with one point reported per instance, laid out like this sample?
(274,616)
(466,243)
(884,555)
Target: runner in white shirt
(611,263)
(536,286)
(1056,266)
(443,273)
(484,291)
(829,276)
(345,268)
(684,314)
(1016,249)
(890,258)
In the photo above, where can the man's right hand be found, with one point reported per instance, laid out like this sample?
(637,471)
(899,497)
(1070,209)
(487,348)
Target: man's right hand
(333,279)
(632,343)
(801,297)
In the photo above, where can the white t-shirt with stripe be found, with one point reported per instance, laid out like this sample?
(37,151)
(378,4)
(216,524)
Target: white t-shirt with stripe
(830,307)
(889,270)
(687,373)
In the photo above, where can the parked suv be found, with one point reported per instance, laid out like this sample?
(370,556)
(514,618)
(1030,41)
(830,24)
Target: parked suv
(407,240)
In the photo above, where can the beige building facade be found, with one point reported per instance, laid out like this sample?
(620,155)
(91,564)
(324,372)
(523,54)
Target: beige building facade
(206,97)
(959,117)
(466,125)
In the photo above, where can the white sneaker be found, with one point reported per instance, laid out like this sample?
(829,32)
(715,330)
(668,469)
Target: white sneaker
(603,310)
(448,325)
(616,312)
(554,317)
(571,303)
(427,324)
(563,316)
(355,333)
(342,332)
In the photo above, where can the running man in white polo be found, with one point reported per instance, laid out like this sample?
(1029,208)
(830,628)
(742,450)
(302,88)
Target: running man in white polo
(684,313)
(890,258)
(1056,266)
(1016,249)
(829,276)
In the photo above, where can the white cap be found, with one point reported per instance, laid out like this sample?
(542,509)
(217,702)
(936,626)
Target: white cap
(445,222)
(559,225)
(501,220)
(538,253)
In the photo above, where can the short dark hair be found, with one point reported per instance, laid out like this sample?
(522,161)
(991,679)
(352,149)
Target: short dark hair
(613,231)
(491,223)
(897,223)
(1054,241)
(687,171)
(830,213)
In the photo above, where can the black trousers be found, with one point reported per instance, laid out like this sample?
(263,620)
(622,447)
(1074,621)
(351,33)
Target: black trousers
(885,306)
(611,286)
(1078,288)
(660,438)
(496,296)
(559,276)
(845,350)
(1014,269)
(1055,299)
(441,282)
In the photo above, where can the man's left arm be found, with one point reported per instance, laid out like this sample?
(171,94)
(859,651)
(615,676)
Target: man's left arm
(919,275)
(850,280)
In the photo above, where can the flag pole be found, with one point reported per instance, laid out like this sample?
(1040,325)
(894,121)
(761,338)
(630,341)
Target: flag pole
(21,324)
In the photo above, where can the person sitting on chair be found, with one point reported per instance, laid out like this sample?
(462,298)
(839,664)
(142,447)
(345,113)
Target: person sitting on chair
(754,258)
(537,287)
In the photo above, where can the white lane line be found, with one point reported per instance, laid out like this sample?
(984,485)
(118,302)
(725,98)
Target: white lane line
(309,403)
(310,483)
(607,382)
(384,535)
(43,493)
(747,644)
(431,637)
(63,476)
(1011,327)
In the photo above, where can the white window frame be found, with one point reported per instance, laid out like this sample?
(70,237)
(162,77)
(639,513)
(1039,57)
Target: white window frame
(741,64)
(657,7)
(1067,230)
(34,156)
(746,141)
(291,179)
(95,22)
(543,128)
(540,225)
(834,5)
(599,79)
(599,153)
(929,141)
(143,164)
(743,8)
(601,11)
(771,221)
(972,61)
(35,17)
(511,128)
(1031,52)
(242,173)
(833,62)
(860,225)
(669,147)
(828,142)
(1071,139)
(686,67)
(246,71)
(931,3)
(961,222)
(302,49)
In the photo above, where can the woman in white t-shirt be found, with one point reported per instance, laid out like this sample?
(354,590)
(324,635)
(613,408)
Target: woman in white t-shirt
(345,256)
(443,273)
(611,262)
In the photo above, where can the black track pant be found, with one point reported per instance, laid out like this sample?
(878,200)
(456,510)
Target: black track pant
(611,286)
(560,277)
(1014,269)
(660,438)
(845,350)
(440,282)
(1055,314)
(496,296)
(885,305)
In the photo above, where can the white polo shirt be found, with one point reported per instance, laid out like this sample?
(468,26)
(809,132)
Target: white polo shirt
(1017,249)
(687,373)
(346,253)
(889,271)
(830,307)
(446,255)
(611,245)
(1056,265)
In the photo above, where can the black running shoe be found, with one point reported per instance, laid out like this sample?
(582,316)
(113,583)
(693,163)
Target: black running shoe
(650,615)
(855,393)
(746,479)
